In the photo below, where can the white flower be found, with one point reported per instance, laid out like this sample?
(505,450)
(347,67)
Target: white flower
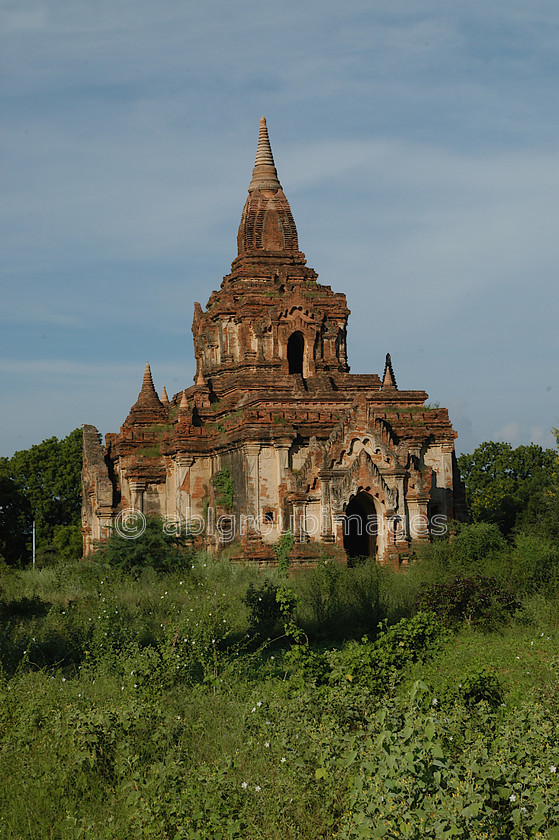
(266,743)
(244,784)
(512,798)
(258,788)
(253,709)
(283,760)
(259,703)
(435,701)
(553,768)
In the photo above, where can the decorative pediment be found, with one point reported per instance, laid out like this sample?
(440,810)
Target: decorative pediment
(362,474)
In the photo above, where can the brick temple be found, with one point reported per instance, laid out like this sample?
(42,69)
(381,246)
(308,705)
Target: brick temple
(276,434)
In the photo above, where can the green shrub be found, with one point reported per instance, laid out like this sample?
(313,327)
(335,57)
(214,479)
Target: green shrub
(24,608)
(532,564)
(475,543)
(282,550)
(378,664)
(477,601)
(339,602)
(264,610)
(223,485)
(471,548)
(412,774)
(480,685)
(152,547)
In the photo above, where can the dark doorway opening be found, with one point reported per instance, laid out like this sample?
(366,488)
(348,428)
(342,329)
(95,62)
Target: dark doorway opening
(295,352)
(360,527)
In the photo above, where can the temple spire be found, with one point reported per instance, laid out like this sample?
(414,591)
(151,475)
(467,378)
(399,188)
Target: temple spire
(267,224)
(264,174)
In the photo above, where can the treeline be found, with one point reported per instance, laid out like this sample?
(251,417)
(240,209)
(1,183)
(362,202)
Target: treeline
(512,488)
(42,485)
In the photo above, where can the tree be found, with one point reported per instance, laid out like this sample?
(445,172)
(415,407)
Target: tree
(504,484)
(41,483)
(15,518)
(544,513)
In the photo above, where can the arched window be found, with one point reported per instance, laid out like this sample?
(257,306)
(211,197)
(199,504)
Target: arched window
(295,352)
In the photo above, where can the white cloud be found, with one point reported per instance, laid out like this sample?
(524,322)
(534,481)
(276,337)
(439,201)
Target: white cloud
(510,432)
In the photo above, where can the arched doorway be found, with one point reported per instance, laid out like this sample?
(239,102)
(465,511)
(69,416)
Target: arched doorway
(360,527)
(295,352)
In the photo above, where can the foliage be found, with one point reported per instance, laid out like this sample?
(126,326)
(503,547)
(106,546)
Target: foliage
(15,518)
(41,483)
(134,704)
(338,601)
(474,544)
(502,482)
(282,550)
(416,775)
(532,563)
(543,513)
(479,685)
(264,609)
(152,547)
(223,485)
(378,664)
(476,600)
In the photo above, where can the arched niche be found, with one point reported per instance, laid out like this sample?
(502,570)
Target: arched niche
(360,527)
(296,352)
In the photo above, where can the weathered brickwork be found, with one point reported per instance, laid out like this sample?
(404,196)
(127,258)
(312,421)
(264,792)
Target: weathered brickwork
(348,463)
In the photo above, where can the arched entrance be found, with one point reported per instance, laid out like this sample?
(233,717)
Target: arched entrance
(295,352)
(360,527)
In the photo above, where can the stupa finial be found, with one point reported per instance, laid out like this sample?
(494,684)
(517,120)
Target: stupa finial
(264,174)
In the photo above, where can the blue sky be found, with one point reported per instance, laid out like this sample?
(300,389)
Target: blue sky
(416,142)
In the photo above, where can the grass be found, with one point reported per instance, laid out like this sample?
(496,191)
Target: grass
(522,657)
(151,704)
